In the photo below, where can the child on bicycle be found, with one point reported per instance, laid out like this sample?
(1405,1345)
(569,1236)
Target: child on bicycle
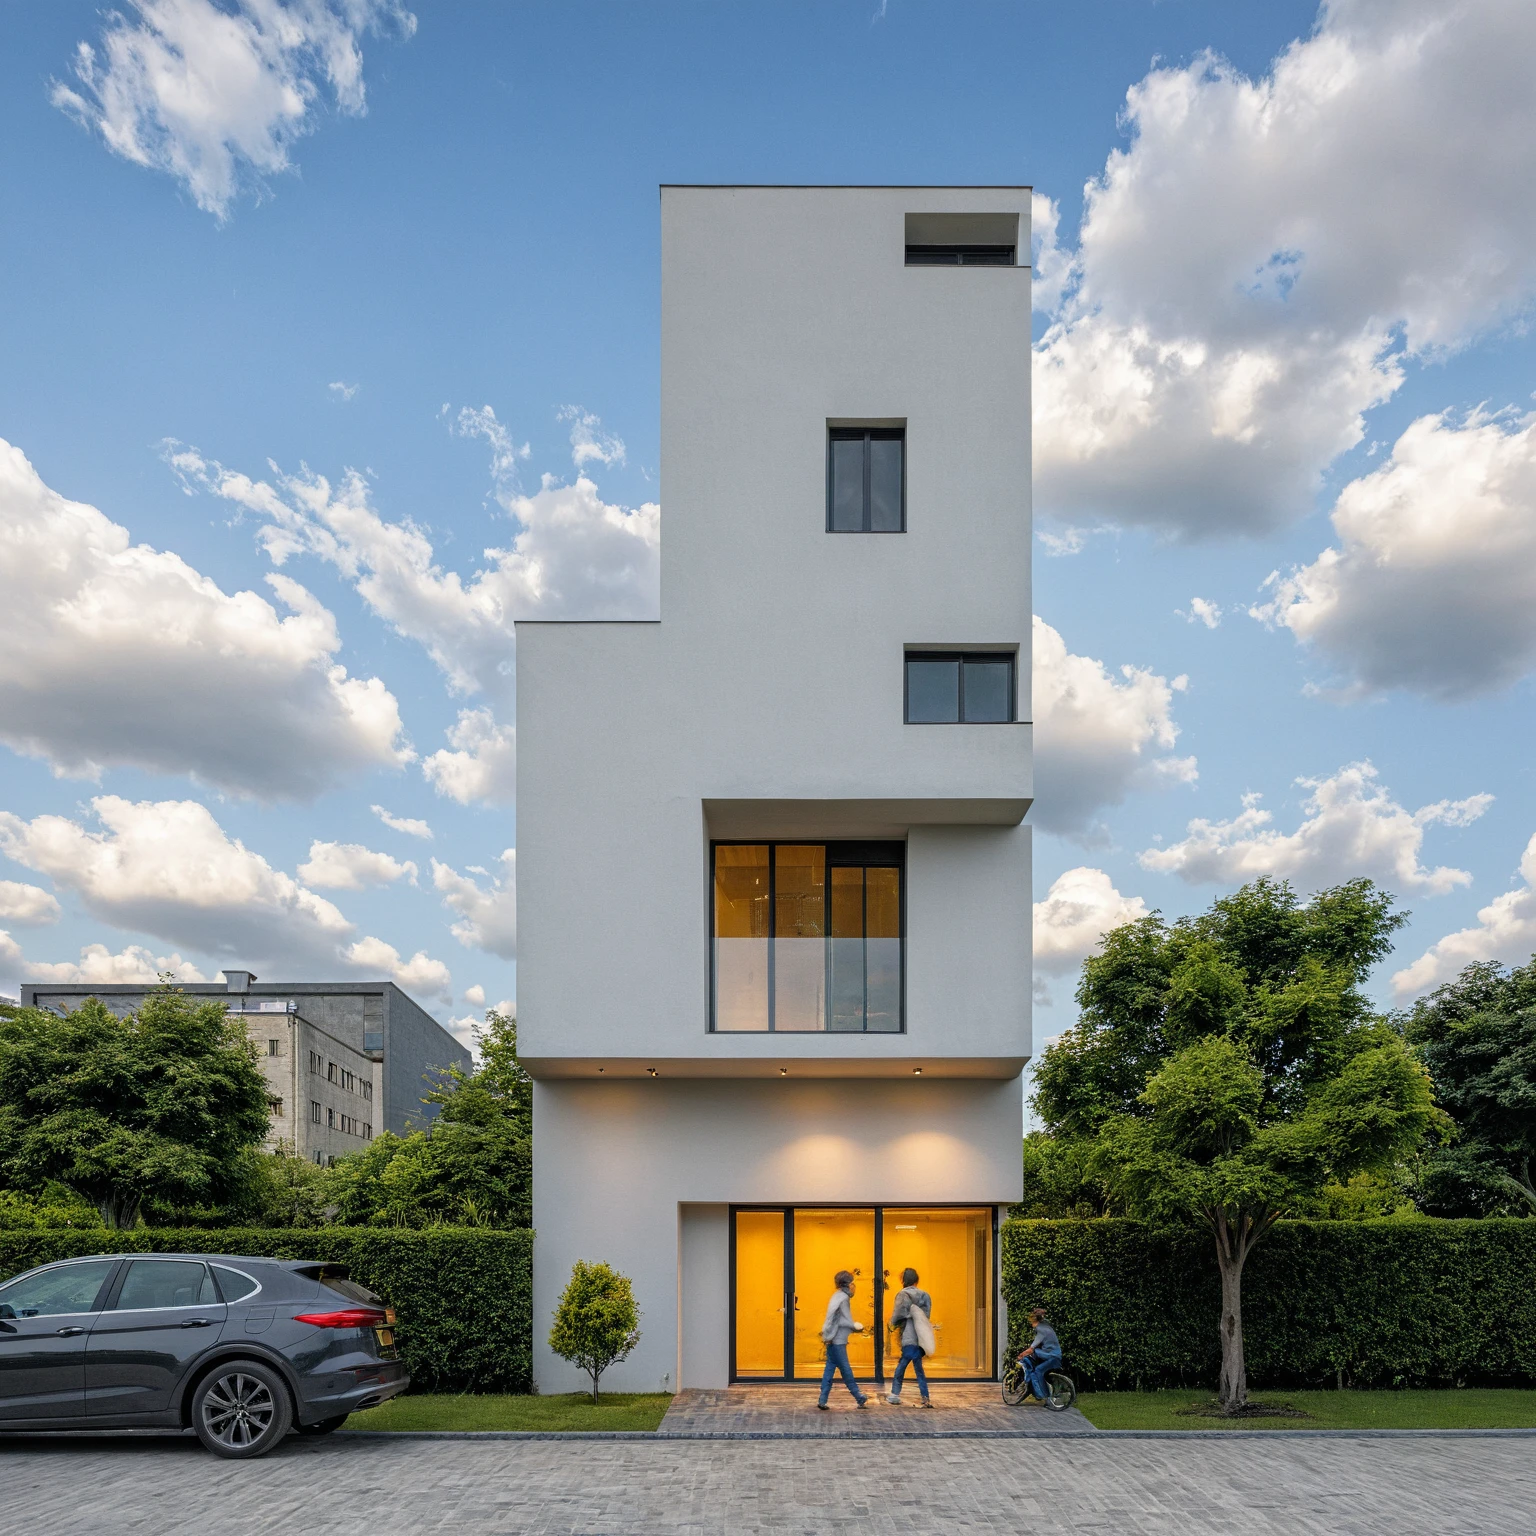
(1043,1354)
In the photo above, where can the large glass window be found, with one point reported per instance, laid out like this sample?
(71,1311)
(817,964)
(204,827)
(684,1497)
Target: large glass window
(866,480)
(951,687)
(808,936)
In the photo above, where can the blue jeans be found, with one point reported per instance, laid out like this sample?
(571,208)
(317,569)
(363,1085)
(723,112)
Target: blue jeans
(911,1354)
(837,1360)
(1038,1366)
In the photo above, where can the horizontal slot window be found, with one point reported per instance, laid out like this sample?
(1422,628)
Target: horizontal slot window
(960,256)
(959,688)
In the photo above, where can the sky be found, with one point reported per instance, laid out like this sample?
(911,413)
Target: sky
(330,341)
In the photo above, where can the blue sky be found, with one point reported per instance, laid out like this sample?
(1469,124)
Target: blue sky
(348,304)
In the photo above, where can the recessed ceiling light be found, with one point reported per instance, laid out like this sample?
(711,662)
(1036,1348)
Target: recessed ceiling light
(783,1071)
(917,1071)
(651,1070)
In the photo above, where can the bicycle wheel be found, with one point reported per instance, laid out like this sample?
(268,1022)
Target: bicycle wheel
(1015,1386)
(1060,1391)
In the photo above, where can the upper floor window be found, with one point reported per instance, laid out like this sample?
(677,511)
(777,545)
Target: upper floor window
(954,687)
(960,256)
(274,1047)
(807,936)
(866,479)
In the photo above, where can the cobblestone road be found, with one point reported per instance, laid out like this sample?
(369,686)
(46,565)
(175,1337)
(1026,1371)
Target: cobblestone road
(378,1487)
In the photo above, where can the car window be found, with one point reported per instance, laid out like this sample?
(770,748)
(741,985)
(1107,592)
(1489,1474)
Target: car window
(64,1289)
(351,1290)
(165,1283)
(233,1286)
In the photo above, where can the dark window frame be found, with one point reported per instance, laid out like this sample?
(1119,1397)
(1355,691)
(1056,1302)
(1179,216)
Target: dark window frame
(852,853)
(867,435)
(992,657)
(962,256)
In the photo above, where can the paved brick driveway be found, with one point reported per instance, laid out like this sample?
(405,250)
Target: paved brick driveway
(378,1487)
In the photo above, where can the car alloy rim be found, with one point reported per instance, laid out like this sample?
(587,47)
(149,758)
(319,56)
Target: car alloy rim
(238,1410)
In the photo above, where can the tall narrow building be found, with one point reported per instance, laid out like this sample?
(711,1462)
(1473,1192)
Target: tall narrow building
(774,882)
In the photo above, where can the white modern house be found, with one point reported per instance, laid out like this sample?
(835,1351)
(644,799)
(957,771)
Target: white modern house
(774,970)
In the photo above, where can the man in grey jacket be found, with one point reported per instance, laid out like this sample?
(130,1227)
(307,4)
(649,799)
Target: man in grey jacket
(834,1334)
(908,1297)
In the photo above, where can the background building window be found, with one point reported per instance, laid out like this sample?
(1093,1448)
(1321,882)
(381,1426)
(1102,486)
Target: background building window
(866,480)
(948,687)
(314,1111)
(807,937)
(330,1119)
(314,1061)
(277,1109)
(274,1047)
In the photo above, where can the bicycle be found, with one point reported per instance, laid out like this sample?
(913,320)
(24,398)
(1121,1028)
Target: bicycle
(1060,1389)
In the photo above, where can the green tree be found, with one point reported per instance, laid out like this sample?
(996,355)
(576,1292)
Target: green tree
(1227,1069)
(159,1105)
(1477,1037)
(472,1166)
(596,1323)
(1059,1181)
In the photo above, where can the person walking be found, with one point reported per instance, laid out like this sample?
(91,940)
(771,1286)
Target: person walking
(905,1310)
(835,1332)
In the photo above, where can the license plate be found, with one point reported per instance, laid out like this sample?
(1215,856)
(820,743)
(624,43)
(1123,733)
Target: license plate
(385,1336)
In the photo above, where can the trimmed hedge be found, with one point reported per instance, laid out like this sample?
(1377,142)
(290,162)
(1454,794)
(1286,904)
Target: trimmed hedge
(1361,1303)
(463,1296)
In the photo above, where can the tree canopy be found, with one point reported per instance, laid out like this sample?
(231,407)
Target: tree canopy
(159,1105)
(1226,1068)
(1477,1038)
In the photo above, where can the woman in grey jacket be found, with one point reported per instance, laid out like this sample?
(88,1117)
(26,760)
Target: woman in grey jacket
(834,1333)
(907,1297)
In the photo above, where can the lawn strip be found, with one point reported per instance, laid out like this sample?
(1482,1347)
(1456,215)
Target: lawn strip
(567,1411)
(1464,1408)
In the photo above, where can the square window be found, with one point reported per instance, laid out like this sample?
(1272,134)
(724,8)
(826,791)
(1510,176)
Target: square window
(866,480)
(807,937)
(954,688)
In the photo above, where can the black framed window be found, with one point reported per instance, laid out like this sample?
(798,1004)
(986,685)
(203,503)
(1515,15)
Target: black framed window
(866,480)
(960,256)
(807,937)
(960,687)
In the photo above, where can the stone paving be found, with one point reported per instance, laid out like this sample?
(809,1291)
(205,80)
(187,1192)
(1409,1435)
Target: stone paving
(790,1412)
(1256,1485)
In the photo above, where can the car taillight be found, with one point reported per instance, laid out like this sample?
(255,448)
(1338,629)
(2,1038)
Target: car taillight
(347,1317)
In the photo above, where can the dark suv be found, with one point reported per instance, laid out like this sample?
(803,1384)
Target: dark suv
(241,1350)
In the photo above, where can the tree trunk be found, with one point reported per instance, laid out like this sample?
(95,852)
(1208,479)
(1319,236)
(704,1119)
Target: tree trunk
(1230,1253)
(119,1212)
(595,1375)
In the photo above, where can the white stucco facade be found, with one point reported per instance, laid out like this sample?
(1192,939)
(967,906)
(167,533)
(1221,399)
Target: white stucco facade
(767,704)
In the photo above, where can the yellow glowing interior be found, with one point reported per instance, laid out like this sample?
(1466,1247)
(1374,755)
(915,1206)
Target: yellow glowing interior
(759,1293)
(825,1242)
(951,1250)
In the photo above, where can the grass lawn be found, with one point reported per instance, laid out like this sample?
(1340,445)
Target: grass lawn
(1466,1408)
(574,1410)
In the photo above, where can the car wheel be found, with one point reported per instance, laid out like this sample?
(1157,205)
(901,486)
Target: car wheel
(324,1426)
(241,1408)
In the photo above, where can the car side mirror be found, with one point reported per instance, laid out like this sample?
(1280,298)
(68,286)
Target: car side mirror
(7,1310)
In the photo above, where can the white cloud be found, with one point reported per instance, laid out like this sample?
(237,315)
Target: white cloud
(1201,611)
(27,904)
(1505,931)
(341,391)
(1097,737)
(407,824)
(1352,827)
(488,914)
(1432,586)
(1081,906)
(589,443)
(351,867)
(1255,270)
(121,655)
(475,995)
(98,966)
(167,868)
(505,453)
(420,974)
(574,556)
(483,764)
(217,95)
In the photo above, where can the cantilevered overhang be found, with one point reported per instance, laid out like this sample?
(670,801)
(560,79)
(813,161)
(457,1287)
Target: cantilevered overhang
(858,818)
(768,1066)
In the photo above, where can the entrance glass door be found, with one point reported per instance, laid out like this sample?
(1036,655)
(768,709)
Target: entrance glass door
(827,1241)
(783,1260)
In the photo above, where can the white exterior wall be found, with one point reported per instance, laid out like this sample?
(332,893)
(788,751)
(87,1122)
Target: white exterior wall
(768,702)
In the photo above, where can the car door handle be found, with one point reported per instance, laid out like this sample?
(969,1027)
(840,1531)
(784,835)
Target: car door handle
(198,1322)
(68,1333)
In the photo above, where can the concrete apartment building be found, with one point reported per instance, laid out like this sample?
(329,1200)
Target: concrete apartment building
(774,959)
(343,1060)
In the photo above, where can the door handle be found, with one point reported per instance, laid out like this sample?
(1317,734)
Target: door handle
(68,1333)
(198,1322)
